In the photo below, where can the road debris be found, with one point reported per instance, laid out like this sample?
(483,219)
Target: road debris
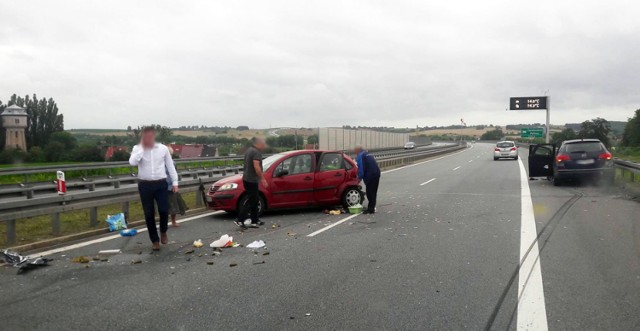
(136,261)
(109,251)
(291,234)
(261,262)
(24,263)
(128,232)
(257,244)
(224,241)
(233,265)
(116,222)
(265,253)
(80,259)
(190,251)
(198,243)
(210,262)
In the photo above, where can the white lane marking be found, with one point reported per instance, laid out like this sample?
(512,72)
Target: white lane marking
(427,182)
(456,168)
(423,162)
(332,225)
(532,314)
(107,238)
(470,161)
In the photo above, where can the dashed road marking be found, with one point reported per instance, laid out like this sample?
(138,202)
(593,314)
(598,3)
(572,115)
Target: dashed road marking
(456,168)
(427,182)
(313,234)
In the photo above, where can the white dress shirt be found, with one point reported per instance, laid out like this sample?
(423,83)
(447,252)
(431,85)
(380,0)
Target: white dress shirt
(154,163)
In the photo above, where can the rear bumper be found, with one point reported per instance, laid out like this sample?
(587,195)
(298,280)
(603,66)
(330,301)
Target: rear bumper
(505,155)
(581,173)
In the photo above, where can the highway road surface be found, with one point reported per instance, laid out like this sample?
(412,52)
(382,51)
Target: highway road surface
(452,246)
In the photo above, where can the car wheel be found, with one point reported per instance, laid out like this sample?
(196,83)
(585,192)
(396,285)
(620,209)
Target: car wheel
(495,159)
(244,199)
(556,181)
(352,196)
(515,158)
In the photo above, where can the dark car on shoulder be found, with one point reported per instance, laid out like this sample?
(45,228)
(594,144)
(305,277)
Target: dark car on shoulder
(573,160)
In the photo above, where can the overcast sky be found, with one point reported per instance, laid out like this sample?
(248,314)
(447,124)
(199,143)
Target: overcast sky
(110,64)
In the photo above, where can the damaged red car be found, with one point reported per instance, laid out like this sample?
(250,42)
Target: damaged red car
(297,179)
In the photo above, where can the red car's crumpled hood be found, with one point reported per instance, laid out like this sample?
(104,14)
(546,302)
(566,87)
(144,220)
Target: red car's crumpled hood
(232,179)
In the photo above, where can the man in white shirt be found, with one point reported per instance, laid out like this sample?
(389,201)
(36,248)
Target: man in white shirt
(154,163)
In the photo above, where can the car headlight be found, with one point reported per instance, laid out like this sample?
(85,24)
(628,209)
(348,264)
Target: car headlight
(228,187)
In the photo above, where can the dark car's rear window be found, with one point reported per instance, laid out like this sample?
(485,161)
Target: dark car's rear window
(504,145)
(587,146)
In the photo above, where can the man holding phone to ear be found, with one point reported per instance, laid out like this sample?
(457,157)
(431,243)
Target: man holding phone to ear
(252,177)
(154,164)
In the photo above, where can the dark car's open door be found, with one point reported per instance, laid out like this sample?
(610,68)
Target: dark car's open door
(541,160)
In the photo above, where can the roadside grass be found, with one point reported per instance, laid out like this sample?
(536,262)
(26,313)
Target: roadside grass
(38,228)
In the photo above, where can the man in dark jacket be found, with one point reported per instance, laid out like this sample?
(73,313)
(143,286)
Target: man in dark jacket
(369,172)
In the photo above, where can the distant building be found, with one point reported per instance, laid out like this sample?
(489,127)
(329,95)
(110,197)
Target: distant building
(14,120)
(108,154)
(191,151)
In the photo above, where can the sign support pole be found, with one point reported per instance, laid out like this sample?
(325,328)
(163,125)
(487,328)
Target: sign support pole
(547,137)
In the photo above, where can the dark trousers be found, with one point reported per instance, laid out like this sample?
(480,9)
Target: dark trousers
(372,192)
(150,192)
(251,207)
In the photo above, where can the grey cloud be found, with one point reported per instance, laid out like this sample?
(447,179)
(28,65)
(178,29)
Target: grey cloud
(321,63)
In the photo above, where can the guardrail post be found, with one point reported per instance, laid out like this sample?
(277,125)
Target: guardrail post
(116,184)
(11,231)
(55,224)
(93,216)
(92,187)
(125,210)
(30,193)
(633,176)
(199,195)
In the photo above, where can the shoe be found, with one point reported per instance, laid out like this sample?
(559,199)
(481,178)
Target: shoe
(260,222)
(240,225)
(369,212)
(155,246)
(254,225)
(164,239)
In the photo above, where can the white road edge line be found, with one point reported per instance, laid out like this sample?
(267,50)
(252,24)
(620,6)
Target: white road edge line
(456,168)
(107,238)
(532,314)
(427,182)
(332,225)
(427,161)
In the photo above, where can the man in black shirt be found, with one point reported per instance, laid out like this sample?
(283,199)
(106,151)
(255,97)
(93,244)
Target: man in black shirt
(252,177)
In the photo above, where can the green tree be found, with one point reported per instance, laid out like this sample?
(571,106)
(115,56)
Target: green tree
(566,134)
(597,128)
(120,155)
(55,151)
(496,134)
(631,135)
(67,139)
(313,139)
(87,154)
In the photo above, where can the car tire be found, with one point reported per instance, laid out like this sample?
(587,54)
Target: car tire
(495,159)
(557,181)
(515,158)
(349,197)
(243,201)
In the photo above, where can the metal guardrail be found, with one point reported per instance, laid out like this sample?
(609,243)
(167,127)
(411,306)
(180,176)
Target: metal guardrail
(52,204)
(627,166)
